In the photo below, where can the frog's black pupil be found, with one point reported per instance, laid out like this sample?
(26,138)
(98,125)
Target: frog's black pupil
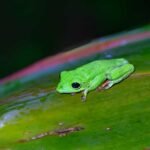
(75,85)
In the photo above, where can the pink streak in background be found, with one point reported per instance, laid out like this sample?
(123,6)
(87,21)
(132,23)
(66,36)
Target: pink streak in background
(83,51)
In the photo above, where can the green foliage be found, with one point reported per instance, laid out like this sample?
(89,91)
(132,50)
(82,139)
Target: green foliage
(114,119)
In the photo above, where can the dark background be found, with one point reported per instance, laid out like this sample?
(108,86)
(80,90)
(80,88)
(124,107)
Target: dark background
(33,29)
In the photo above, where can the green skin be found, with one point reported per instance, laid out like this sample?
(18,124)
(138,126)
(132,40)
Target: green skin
(99,73)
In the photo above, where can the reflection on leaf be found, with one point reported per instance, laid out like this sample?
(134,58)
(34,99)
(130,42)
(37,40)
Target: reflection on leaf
(118,118)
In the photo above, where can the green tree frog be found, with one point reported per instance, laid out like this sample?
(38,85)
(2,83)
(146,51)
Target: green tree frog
(99,73)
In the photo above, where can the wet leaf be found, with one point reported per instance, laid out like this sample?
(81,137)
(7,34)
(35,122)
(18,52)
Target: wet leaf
(33,114)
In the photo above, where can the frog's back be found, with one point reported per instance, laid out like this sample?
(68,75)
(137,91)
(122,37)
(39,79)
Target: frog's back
(100,66)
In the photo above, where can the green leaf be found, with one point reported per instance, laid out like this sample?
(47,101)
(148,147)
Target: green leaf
(34,116)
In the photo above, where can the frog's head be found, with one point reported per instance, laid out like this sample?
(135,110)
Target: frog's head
(69,83)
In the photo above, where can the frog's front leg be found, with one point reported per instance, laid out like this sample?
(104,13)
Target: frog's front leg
(83,97)
(93,84)
(118,74)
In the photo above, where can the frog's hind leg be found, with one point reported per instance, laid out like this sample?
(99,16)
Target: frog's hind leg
(118,74)
(104,84)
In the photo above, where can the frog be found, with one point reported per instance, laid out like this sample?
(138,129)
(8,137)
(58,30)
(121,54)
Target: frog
(98,74)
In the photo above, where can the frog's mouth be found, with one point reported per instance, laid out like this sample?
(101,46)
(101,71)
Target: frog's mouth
(67,91)
(60,89)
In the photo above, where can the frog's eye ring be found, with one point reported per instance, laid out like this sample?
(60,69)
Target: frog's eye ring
(76,85)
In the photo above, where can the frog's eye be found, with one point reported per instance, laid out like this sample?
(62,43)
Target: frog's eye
(76,85)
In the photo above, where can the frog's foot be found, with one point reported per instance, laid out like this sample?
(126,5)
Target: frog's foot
(108,84)
(83,97)
(118,74)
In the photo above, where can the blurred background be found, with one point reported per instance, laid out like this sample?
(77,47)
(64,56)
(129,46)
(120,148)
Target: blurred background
(33,29)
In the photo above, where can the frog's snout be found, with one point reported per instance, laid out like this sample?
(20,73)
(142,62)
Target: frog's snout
(59,88)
